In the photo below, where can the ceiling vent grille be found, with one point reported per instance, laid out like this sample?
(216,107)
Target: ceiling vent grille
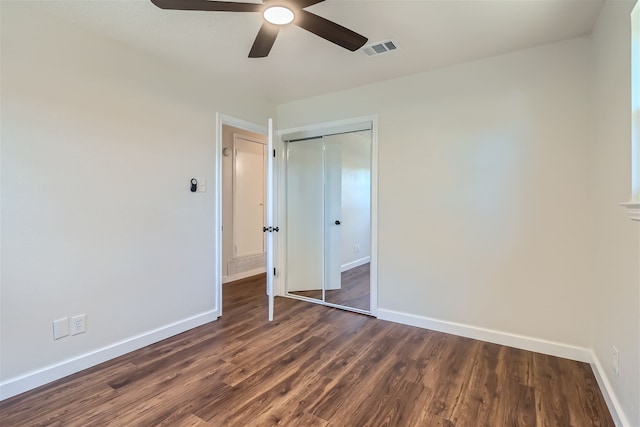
(379,48)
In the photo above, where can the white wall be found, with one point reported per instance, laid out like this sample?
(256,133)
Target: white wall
(484,190)
(617,245)
(99,142)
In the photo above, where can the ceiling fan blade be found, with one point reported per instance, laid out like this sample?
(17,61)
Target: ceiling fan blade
(214,6)
(306,3)
(329,30)
(264,40)
(292,4)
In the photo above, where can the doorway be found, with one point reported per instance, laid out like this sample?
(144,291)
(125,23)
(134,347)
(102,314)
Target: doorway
(245,250)
(243,203)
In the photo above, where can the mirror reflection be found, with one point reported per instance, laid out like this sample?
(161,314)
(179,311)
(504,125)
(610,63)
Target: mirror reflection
(348,219)
(329,219)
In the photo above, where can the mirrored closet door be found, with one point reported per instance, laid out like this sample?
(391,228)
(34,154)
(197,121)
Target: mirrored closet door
(329,219)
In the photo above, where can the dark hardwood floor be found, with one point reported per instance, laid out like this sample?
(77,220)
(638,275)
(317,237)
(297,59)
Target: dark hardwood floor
(316,366)
(355,290)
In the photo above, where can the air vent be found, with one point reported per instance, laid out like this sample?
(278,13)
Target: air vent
(380,47)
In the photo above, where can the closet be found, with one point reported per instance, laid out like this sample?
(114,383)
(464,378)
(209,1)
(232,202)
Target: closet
(328,214)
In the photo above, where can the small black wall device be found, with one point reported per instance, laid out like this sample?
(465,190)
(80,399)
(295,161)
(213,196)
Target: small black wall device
(194,185)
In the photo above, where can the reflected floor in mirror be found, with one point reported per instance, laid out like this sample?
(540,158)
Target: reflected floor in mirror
(355,289)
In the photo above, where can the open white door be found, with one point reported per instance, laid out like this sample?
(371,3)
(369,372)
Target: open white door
(269,227)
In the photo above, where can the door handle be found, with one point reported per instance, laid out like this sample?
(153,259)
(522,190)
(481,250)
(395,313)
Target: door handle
(338,222)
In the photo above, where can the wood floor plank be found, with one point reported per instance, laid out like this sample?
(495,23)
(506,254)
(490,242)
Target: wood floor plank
(315,366)
(395,408)
(482,395)
(271,386)
(521,409)
(193,421)
(519,367)
(341,397)
(455,366)
(292,410)
(149,403)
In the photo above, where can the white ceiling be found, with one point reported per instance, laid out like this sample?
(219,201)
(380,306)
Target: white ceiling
(430,34)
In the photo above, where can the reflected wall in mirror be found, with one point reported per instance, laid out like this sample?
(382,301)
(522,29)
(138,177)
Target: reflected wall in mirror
(348,219)
(329,219)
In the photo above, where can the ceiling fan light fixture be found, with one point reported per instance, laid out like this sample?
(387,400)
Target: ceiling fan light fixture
(278,15)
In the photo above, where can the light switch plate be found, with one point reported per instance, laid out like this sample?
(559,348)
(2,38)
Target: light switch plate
(60,328)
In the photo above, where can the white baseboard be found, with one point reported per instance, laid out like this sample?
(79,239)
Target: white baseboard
(619,417)
(497,337)
(15,386)
(243,275)
(354,264)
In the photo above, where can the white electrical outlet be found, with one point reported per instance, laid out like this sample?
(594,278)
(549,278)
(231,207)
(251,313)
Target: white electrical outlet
(615,360)
(78,324)
(202,185)
(60,328)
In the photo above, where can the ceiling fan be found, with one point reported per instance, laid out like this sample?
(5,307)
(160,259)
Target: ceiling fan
(276,13)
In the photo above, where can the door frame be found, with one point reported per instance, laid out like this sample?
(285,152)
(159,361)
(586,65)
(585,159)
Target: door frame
(280,205)
(223,119)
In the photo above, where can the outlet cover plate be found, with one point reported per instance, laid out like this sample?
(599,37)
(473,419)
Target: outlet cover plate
(78,324)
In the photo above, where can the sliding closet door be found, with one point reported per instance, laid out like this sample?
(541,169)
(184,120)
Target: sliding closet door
(329,216)
(348,219)
(305,218)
